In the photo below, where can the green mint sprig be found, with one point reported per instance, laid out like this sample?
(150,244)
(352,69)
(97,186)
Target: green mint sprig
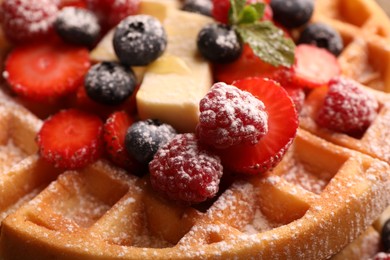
(266,40)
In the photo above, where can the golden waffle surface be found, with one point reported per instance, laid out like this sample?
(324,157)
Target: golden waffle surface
(318,200)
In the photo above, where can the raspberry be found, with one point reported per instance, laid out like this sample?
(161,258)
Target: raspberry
(347,108)
(230,116)
(184,171)
(26,20)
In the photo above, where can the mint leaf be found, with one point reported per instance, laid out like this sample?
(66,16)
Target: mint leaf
(236,7)
(240,12)
(268,42)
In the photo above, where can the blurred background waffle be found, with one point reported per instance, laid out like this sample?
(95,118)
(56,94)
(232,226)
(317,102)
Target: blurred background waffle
(365,29)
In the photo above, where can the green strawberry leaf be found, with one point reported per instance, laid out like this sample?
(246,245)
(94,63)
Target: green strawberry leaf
(268,42)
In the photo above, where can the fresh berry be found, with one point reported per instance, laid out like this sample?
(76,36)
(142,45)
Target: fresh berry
(298,97)
(184,171)
(77,26)
(314,66)
(111,12)
(230,116)
(144,138)
(347,108)
(114,133)
(385,236)
(247,65)
(139,40)
(71,139)
(46,71)
(292,13)
(282,127)
(382,256)
(110,83)
(198,6)
(219,43)
(74,3)
(323,36)
(24,21)
(221,8)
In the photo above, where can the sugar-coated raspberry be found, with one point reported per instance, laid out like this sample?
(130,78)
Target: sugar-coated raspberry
(26,20)
(230,116)
(184,171)
(347,108)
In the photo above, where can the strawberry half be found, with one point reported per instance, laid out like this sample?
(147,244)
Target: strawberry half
(282,128)
(114,134)
(46,71)
(314,66)
(247,65)
(71,139)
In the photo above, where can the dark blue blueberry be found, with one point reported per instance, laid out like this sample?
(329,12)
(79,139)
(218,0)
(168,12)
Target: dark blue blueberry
(139,40)
(144,138)
(109,83)
(292,13)
(219,43)
(323,36)
(385,236)
(77,26)
(198,6)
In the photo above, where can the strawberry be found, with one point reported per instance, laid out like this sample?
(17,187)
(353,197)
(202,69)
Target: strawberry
(247,65)
(71,139)
(314,66)
(82,101)
(111,12)
(282,127)
(24,21)
(46,71)
(114,133)
(74,3)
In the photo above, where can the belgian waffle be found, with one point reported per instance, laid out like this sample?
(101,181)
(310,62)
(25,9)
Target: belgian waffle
(101,211)
(318,200)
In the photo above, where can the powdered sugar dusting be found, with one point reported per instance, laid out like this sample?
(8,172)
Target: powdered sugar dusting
(229,116)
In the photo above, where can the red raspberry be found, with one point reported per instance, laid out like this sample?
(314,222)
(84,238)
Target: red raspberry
(184,171)
(347,108)
(230,116)
(26,20)
(382,256)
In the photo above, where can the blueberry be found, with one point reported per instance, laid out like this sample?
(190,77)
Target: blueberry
(139,40)
(198,6)
(385,236)
(219,43)
(77,26)
(143,139)
(109,83)
(323,36)
(292,13)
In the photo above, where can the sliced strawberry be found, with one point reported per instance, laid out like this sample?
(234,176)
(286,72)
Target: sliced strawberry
(247,65)
(114,134)
(82,101)
(74,3)
(46,71)
(71,139)
(314,66)
(282,128)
